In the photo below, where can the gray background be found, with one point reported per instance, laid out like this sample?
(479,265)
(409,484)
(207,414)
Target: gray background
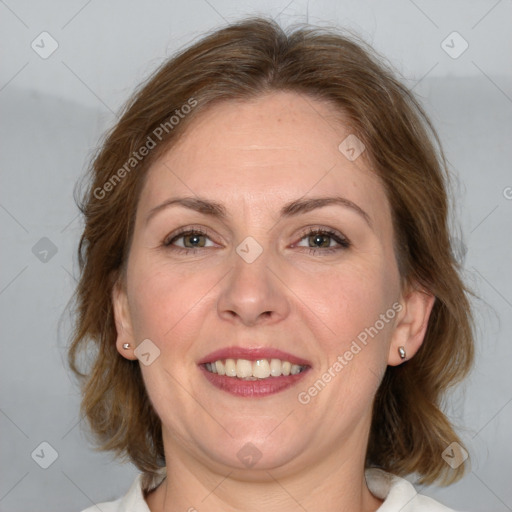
(53,112)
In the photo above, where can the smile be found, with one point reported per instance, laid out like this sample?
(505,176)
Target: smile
(254,370)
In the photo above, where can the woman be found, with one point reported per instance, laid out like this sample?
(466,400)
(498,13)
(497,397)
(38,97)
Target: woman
(268,283)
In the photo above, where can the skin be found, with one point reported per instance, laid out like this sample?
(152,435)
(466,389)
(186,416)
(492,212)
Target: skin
(253,157)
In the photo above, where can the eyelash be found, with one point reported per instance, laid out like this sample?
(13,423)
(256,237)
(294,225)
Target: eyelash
(343,242)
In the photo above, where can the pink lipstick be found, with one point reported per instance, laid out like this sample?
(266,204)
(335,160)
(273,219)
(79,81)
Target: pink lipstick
(253,372)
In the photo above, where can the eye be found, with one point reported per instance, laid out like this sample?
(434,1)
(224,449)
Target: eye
(190,239)
(320,241)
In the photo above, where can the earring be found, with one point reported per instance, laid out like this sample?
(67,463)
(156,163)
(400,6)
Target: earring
(126,346)
(401,351)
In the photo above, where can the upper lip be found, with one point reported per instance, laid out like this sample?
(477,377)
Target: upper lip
(252,354)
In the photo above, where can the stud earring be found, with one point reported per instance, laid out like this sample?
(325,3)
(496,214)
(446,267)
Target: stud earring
(401,351)
(126,346)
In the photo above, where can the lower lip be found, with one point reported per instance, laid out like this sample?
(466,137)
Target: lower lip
(252,388)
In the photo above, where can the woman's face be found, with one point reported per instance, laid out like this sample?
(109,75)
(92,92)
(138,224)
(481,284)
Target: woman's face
(266,274)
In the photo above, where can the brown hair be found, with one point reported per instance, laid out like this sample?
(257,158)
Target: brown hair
(409,430)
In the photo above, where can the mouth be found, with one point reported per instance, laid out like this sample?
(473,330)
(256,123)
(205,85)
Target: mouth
(253,372)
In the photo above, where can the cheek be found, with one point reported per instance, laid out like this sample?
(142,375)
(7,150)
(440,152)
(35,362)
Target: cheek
(163,298)
(350,299)
(355,308)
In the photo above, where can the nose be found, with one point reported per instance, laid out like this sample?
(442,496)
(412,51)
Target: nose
(252,294)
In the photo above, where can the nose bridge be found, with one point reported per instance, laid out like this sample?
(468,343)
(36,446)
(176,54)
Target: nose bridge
(252,292)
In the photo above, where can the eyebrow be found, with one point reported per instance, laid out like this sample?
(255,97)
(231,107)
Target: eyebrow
(292,209)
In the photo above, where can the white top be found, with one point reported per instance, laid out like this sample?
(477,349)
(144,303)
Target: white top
(399,495)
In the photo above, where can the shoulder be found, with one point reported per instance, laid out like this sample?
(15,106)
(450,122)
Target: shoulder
(399,494)
(133,500)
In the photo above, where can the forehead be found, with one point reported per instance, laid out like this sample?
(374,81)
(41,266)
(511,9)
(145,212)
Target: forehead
(272,149)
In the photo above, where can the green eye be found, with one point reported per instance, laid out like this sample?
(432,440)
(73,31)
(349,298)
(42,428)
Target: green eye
(319,240)
(192,239)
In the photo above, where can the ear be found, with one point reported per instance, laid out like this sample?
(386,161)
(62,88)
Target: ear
(411,324)
(123,321)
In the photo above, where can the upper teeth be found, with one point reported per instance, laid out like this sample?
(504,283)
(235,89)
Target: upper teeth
(251,370)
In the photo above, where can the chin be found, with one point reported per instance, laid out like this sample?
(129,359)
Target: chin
(252,450)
